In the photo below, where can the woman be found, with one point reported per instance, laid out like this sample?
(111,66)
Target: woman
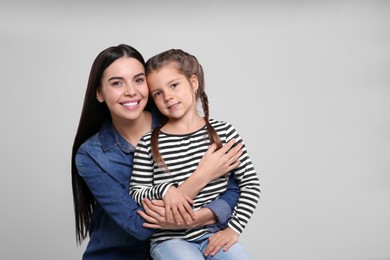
(115,114)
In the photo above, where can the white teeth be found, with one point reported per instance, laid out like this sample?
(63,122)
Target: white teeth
(130,104)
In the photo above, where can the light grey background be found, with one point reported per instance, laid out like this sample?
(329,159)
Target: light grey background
(306,83)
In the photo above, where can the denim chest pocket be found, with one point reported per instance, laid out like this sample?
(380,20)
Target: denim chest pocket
(119,167)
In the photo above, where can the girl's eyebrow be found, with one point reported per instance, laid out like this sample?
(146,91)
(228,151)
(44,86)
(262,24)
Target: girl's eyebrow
(170,82)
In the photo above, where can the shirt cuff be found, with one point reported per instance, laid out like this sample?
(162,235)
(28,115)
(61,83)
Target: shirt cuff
(164,188)
(221,210)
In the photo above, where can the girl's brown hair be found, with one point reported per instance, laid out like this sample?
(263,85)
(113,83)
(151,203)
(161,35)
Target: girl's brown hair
(188,65)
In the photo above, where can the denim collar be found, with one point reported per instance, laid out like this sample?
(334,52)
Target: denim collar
(109,137)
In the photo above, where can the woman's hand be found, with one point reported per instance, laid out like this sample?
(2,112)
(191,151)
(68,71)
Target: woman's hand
(178,207)
(154,214)
(221,239)
(216,163)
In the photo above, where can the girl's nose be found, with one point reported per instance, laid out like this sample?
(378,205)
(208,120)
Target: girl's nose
(167,96)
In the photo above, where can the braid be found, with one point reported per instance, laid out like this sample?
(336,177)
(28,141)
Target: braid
(155,151)
(213,136)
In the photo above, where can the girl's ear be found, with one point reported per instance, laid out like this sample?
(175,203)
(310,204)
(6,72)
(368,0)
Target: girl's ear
(194,83)
(99,96)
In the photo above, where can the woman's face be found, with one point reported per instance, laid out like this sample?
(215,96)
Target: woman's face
(124,89)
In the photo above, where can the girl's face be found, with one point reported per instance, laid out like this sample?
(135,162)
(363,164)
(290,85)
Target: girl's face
(124,89)
(173,93)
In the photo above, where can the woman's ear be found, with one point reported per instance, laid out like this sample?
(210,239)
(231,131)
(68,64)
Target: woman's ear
(99,97)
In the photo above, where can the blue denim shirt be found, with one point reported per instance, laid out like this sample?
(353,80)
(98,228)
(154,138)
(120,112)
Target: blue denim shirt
(105,161)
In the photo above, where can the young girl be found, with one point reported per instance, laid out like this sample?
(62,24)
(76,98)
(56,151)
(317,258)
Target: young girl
(166,157)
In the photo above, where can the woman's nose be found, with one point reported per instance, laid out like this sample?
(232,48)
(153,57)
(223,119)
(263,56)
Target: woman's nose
(130,90)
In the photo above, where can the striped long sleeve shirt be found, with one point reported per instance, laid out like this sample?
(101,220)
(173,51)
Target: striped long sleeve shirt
(182,154)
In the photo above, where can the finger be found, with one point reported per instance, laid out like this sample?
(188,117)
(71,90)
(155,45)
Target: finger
(147,206)
(188,206)
(148,211)
(185,216)
(156,208)
(213,240)
(156,215)
(218,247)
(213,247)
(159,203)
(148,225)
(187,209)
(177,215)
(226,147)
(209,249)
(188,199)
(187,213)
(235,151)
(234,159)
(216,250)
(233,166)
(153,209)
(227,246)
(169,216)
(146,217)
(211,149)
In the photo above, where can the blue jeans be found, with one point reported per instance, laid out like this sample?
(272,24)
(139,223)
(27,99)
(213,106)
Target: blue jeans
(180,249)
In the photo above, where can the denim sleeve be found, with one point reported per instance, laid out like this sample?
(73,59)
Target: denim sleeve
(112,196)
(224,205)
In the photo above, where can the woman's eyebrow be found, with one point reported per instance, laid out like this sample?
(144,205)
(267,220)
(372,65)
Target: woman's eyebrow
(115,78)
(122,78)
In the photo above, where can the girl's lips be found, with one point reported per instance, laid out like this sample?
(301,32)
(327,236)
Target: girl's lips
(173,105)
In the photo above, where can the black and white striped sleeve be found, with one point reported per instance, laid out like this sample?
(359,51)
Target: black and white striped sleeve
(249,184)
(141,182)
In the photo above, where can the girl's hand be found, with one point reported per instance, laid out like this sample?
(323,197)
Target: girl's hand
(154,216)
(221,239)
(178,207)
(217,163)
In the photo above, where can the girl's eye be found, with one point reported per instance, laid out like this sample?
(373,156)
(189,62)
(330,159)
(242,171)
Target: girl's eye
(174,85)
(157,94)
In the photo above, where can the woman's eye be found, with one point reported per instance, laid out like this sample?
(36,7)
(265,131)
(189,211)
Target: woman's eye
(116,83)
(139,80)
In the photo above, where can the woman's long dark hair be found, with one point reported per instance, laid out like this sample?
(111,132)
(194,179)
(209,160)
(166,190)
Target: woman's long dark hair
(93,115)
